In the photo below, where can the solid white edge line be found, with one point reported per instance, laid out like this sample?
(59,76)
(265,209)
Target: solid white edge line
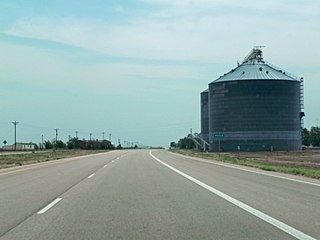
(91,175)
(248,170)
(50,205)
(278,224)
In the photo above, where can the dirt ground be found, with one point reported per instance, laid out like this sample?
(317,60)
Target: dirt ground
(309,159)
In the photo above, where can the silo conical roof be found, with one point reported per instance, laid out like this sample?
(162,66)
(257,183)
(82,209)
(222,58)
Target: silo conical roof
(254,67)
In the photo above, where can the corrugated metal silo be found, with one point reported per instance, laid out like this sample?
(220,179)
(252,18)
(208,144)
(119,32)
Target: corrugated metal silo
(205,115)
(255,107)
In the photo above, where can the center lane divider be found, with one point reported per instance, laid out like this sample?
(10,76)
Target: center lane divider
(278,224)
(50,205)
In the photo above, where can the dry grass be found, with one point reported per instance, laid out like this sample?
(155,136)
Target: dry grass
(306,163)
(36,157)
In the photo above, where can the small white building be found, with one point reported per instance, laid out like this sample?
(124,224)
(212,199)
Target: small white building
(20,147)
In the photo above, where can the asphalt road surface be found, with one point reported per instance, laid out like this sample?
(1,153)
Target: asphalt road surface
(143,194)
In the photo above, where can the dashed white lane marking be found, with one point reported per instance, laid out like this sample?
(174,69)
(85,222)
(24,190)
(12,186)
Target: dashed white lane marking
(43,210)
(278,224)
(105,165)
(91,175)
(251,171)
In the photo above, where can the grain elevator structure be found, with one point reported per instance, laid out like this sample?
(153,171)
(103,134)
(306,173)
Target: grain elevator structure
(254,107)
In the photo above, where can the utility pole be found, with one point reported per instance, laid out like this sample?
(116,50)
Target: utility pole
(42,142)
(15,123)
(103,136)
(56,138)
(76,140)
(110,137)
(90,140)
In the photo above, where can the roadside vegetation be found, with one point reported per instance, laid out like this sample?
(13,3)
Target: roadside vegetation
(41,156)
(306,163)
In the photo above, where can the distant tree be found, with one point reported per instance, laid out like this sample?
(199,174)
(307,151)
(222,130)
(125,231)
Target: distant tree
(60,144)
(315,136)
(119,146)
(186,143)
(105,144)
(305,137)
(71,144)
(173,144)
(48,145)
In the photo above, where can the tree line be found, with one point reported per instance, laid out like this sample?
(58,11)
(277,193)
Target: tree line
(312,137)
(75,143)
(184,143)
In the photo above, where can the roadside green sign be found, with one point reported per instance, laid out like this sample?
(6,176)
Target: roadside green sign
(218,135)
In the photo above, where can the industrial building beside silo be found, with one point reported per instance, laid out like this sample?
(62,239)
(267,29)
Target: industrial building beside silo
(254,107)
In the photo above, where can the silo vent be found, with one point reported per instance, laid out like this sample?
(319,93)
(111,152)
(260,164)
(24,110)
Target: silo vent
(260,68)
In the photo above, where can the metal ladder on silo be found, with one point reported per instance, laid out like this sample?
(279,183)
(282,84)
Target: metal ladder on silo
(301,102)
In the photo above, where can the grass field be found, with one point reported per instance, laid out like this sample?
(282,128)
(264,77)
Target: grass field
(37,157)
(306,163)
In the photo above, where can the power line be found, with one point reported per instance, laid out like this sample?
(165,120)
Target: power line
(60,130)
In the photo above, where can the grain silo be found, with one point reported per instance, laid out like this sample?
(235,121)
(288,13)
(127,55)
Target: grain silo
(205,115)
(255,107)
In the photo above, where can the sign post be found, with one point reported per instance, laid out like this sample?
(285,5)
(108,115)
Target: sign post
(218,136)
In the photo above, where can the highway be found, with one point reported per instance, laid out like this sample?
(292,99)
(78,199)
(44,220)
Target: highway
(154,194)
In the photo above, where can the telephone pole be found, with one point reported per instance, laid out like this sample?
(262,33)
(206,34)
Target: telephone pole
(15,123)
(75,140)
(103,136)
(90,136)
(56,138)
(110,137)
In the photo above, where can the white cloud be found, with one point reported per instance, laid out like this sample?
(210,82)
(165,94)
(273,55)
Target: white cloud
(209,31)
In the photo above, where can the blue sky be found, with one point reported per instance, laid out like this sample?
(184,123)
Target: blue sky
(135,68)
